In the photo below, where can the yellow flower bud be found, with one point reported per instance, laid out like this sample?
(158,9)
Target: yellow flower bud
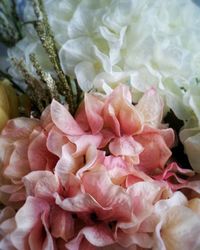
(8,102)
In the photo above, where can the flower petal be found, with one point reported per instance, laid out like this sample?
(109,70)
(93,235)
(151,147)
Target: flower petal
(125,146)
(64,120)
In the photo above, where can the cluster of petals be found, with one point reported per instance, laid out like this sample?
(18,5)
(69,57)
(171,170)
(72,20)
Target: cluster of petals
(99,180)
(93,213)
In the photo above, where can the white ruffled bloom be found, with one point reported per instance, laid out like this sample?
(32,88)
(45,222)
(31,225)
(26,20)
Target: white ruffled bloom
(141,42)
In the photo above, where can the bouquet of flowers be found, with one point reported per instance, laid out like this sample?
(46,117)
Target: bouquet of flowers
(99,125)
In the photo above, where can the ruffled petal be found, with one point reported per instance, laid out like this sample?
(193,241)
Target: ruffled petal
(151,107)
(98,236)
(125,146)
(64,120)
(32,211)
(93,108)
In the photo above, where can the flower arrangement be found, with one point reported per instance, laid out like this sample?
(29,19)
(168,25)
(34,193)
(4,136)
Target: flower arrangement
(102,103)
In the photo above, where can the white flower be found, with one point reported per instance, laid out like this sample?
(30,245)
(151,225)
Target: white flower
(190,137)
(156,42)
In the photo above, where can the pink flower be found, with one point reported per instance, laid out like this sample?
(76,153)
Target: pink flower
(23,149)
(93,181)
(112,124)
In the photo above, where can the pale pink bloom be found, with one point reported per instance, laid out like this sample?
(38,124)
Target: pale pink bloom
(90,180)
(23,149)
(40,223)
(89,212)
(114,124)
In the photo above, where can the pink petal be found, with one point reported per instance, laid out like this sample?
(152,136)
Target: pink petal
(171,175)
(81,117)
(117,168)
(130,120)
(20,127)
(68,163)
(41,184)
(61,223)
(140,239)
(98,184)
(155,154)
(79,203)
(64,120)
(26,219)
(107,137)
(39,156)
(93,109)
(99,236)
(110,119)
(169,136)
(83,142)
(125,146)
(92,157)
(55,140)
(136,176)
(46,117)
(18,163)
(120,114)
(35,238)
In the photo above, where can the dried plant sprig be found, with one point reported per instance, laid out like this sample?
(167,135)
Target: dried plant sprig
(46,78)
(36,89)
(47,39)
(10,26)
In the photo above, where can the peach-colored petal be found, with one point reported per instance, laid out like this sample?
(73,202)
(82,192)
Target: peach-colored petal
(64,120)
(194,204)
